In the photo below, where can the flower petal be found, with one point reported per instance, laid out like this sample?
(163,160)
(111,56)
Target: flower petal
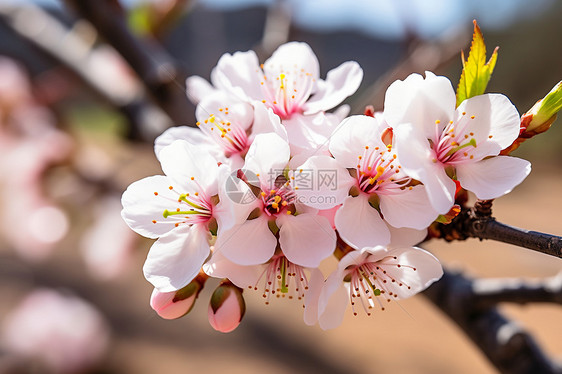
(190,134)
(416,158)
(176,258)
(267,157)
(315,283)
(239,112)
(182,161)
(418,269)
(197,88)
(144,202)
(221,267)
(493,115)
(289,55)
(359,224)
(250,243)
(308,132)
(238,74)
(306,239)
(408,208)
(321,182)
(421,102)
(340,83)
(352,135)
(493,177)
(332,303)
(266,121)
(405,237)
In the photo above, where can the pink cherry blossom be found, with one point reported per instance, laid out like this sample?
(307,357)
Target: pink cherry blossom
(305,238)
(180,209)
(227,307)
(369,181)
(370,278)
(289,83)
(435,142)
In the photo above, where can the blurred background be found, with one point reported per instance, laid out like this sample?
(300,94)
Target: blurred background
(86,86)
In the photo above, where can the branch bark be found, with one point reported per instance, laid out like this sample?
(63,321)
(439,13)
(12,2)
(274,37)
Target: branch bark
(508,346)
(155,67)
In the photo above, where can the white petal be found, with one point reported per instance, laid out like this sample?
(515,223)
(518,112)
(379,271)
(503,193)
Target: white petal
(420,102)
(340,83)
(405,236)
(289,55)
(236,200)
(239,112)
(306,239)
(267,157)
(221,267)
(352,135)
(321,182)
(266,121)
(239,74)
(333,302)
(315,283)
(182,161)
(416,158)
(190,134)
(176,258)
(360,225)
(141,206)
(427,270)
(197,88)
(493,177)
(308,132)
(493,115)
(250,243)
(408,208)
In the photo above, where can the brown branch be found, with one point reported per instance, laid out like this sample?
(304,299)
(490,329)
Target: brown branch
(153,65)
(478,222)
(508,346)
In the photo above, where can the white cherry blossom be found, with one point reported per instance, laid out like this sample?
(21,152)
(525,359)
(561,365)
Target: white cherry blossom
(179,208)
(435,142)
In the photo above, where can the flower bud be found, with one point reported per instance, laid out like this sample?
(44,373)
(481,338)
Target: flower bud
(227,307)
(176,304)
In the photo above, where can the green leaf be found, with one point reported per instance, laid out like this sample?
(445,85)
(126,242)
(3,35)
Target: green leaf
(476,71)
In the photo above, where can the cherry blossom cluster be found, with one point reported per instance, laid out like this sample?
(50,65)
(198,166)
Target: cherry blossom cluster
(269,185)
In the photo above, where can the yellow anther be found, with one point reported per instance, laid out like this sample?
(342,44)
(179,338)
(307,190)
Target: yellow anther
(263,194)
(212,119)
(272,192)
(275,205)
(277,199)
(437,122)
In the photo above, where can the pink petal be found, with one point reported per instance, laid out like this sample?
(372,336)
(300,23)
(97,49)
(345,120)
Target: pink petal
(493,177)
(221,267)
(352,135)
(239,112)
(359,224)
(266,121)
(250,243)
(141,206)
(238,74)
(340,83)
(176,258)
(493,115)
(289,55)
(332,303)
(321,182)
(427,270)
(315,283)
(187,133)
(308,132)
(197,88)
(405,237)
(267,157)
(408,208)
(306,239)
(182,161)
(421,102)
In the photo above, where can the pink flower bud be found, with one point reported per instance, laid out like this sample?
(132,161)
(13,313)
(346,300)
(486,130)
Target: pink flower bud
(175,304)
(227,307)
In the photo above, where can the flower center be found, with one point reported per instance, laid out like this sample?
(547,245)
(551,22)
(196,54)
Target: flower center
(229,135)
(187,208)
(378,171)
(455,143)
(286,91)
(372,281)
(282,278)
(277,200)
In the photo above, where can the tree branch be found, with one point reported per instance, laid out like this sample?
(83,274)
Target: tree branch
(508,346)
(154,66)
(477,222)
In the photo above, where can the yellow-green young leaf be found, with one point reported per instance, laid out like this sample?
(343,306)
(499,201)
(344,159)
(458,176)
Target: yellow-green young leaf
(476,72)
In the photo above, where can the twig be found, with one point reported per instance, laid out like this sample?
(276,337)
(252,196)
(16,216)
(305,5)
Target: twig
(154,66)
(508,346)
